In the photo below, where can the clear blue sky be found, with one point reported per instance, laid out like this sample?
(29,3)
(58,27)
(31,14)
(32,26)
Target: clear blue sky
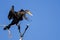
(45,21)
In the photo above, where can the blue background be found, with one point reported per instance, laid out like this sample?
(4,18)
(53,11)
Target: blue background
(45,23)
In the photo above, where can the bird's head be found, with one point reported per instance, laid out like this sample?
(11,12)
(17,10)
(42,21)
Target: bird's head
(28,12)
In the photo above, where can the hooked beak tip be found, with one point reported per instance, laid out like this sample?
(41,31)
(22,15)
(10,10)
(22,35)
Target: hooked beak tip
(30,13)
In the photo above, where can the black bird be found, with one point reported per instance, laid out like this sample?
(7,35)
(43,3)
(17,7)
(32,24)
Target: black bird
(16,16)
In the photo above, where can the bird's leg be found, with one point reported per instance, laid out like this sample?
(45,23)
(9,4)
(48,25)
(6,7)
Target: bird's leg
(21,38)
(18,27)
(21,35)
(25,31)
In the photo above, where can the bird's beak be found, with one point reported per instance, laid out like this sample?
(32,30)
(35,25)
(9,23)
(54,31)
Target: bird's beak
(30,13)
